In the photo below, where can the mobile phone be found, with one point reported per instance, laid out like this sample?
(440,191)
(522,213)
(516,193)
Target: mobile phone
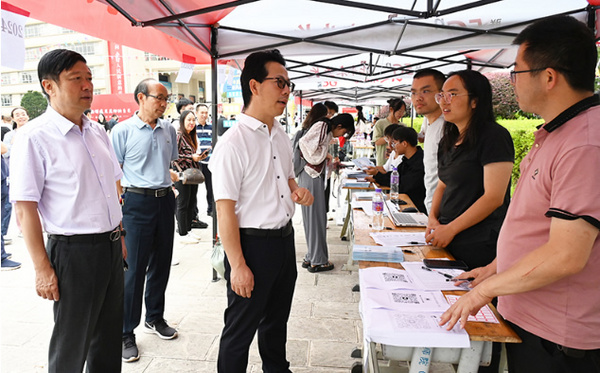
(441,263)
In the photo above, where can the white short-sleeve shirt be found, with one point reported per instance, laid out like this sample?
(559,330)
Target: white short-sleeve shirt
(70,173)
(251,166)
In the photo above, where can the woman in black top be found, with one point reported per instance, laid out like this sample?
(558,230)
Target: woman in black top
(475,161)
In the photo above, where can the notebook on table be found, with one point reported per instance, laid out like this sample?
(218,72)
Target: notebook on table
(405,219)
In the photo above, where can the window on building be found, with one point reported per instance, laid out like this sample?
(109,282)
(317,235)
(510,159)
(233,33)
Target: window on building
(27,77)
(33,54)
(6,79)
(32,31)
(67,31)
(6,100)
(85,49)
(97,92)
(154,57)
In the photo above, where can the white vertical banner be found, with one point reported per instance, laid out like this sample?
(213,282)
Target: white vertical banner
(185,73)
(13,36)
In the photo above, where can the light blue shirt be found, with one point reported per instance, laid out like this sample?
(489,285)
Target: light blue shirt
(70,173)
(145,153)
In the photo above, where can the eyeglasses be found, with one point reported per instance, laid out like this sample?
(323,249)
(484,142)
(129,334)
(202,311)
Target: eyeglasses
(159,98)
(394,143)
(447,97)
(281,83)
(423,93)
(513,73)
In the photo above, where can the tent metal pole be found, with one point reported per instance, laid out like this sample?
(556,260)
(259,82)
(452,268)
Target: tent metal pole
(214,76)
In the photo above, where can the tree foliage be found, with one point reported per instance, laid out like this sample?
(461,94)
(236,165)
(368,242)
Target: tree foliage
(35,103)
(504,99)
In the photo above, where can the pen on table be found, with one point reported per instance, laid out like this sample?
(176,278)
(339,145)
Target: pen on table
(408,251)
(441,273)
(461,279)
(416,243)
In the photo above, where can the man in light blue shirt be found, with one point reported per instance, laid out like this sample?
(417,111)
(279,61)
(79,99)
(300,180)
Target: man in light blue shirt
(145,146)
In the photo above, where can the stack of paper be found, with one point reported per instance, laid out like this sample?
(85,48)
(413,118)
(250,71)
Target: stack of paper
(399,238)
(397,311)
(388,254)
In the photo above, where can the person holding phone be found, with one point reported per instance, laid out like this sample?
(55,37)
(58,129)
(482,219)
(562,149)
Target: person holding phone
(187,145)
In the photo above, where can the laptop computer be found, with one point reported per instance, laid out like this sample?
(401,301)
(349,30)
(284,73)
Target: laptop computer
(405,219)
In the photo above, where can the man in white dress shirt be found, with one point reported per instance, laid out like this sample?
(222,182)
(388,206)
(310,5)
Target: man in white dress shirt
(64,168)
(426,83)
(255,191)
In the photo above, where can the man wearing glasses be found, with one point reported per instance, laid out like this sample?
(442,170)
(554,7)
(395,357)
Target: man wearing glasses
(426,83)
(255,191)
(546,272)
(145,145)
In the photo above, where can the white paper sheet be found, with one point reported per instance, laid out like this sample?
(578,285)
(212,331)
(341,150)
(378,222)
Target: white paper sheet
(433,280)
(411,329)
(399,238)
(405,300)
(385,278)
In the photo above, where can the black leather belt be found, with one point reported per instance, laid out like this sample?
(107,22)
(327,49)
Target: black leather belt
(111,236)
(149,192)
(280,232)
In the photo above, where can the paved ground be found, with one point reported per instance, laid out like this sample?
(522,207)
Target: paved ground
(324,326)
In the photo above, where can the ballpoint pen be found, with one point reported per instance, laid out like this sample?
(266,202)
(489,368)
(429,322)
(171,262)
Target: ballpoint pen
(461,279)
(441,273)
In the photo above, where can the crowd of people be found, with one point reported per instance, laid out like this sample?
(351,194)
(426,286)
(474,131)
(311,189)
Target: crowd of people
(108,203)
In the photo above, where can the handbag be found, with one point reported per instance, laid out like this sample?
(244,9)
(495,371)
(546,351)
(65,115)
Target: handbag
(217,258)
(190,176)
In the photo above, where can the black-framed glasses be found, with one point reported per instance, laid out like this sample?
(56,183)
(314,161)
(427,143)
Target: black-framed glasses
(159,98)
(282,83)
(447,97)
(513,73)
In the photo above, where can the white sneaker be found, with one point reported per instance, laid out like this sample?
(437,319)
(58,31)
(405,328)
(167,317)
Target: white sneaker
(187,239)
(194,236)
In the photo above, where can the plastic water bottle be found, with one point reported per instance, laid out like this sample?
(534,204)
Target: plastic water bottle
(377,206)
(395,185)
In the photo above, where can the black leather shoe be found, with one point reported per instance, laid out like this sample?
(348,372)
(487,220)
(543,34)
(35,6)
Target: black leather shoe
(199,224)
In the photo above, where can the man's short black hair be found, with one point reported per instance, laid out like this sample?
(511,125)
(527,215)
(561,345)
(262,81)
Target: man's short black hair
(407,134)
(55,62)
(438,76)
(564,44)
(199,106)
(255,68)
(331,106)
(181,103)
(390,129)
(142,87)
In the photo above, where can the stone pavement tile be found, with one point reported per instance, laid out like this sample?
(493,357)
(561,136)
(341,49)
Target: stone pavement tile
(335,310)
(138,366)
(191,346)
(327,329)
(332,354)
(342,279)
(207,322)
(314,293)
(14,360)
(162,365)
(301,308)
(342,248)
(26,334)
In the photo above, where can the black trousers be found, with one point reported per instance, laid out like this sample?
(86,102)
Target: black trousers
(89,315)
(186,206)
(210,199)
(536,354)
(150,225)
(273,263)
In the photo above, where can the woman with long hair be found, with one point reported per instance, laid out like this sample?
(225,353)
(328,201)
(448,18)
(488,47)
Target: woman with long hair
(475,162)
(314,150)
(317,112)
(187,143)
(397,110)
(19,117)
